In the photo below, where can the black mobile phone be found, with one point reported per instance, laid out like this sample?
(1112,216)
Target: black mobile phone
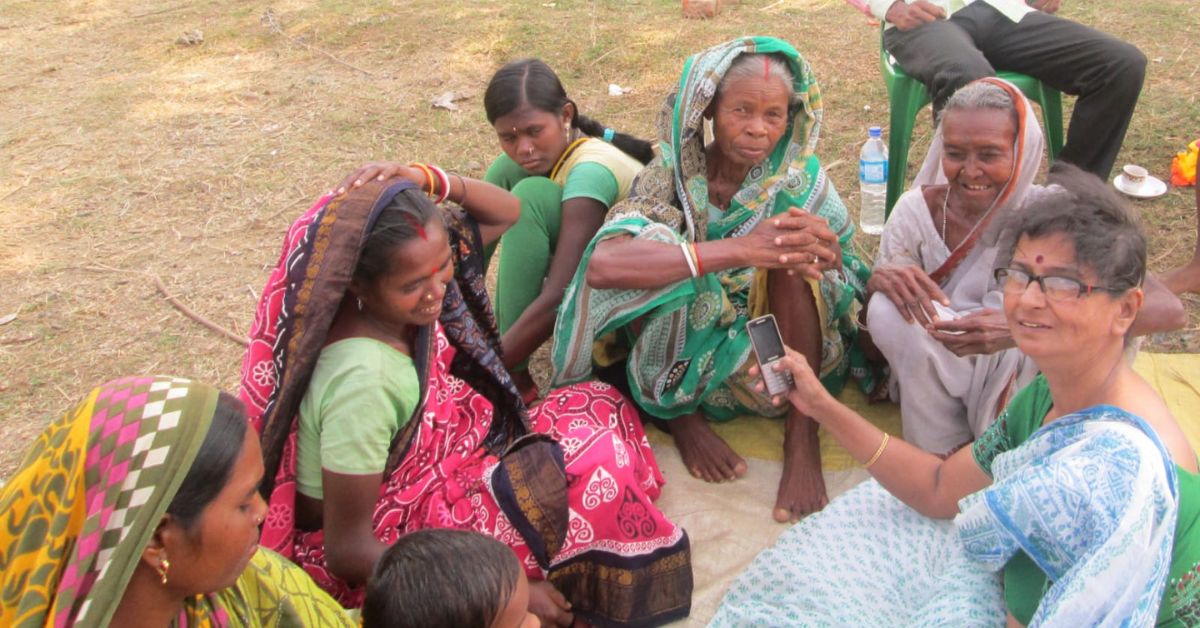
(768,348)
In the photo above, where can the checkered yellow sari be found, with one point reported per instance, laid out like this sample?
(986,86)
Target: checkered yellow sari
(76,516)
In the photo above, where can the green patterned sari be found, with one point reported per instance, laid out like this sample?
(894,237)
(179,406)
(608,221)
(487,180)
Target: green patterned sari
(691,349)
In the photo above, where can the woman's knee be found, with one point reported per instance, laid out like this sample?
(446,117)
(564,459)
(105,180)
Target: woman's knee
(889,331)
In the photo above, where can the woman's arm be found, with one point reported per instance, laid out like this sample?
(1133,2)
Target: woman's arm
(925,482)
(351,548)
(581,218)
(494,208)
(1161,309)
(796,242)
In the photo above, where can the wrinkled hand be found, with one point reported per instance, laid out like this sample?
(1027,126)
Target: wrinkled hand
(380,170)
(796,241)
(982,332)
(828,249)
(808,395)
(1046,6)
(910,289)
(909,16)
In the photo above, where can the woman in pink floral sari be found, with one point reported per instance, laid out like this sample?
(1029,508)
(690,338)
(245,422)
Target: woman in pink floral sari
(375,379)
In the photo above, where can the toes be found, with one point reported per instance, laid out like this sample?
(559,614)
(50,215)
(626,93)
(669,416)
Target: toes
(740,468)
(782,515)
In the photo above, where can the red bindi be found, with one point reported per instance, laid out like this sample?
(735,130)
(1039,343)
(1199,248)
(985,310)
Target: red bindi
(433,271)
(1038,259)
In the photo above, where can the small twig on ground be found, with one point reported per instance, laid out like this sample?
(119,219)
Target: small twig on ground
(272,22)
(253,294)
(160,11)
(834,164)
(772,5)
(63,393)
(162,289)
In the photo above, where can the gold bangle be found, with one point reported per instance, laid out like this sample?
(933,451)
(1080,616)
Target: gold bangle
(428,175)
(878,452)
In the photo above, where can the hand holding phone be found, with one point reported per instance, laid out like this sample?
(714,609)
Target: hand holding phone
(768,349)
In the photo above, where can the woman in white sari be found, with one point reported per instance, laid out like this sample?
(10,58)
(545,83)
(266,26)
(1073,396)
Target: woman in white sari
(953,376)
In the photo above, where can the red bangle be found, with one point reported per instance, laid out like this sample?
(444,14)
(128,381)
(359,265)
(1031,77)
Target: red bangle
(696,254)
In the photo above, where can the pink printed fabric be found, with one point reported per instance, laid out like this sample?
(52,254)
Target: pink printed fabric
(612,479)
(259,373)
(569,485)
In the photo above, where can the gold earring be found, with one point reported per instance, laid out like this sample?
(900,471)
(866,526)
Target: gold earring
(163,566)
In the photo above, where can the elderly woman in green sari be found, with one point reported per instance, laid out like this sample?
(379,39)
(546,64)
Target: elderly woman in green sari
(710,237)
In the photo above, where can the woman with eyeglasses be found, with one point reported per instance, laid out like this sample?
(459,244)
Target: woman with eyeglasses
(1078,507)
(934,309)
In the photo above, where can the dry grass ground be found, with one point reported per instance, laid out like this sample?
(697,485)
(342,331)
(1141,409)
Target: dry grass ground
(129,153)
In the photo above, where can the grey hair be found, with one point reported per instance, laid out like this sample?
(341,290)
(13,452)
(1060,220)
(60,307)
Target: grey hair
(982,95)
(1106,234)
(751,65)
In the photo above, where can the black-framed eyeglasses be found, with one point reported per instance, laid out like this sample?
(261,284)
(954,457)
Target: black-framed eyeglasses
(1056,288)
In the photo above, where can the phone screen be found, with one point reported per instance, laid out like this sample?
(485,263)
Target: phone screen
(764,335)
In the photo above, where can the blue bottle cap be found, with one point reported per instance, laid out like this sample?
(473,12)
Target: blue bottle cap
(874,131)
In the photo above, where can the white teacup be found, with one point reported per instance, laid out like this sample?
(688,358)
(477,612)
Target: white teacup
(1135,176)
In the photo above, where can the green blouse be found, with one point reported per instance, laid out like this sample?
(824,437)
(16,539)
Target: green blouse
(1025,583)
(361,393)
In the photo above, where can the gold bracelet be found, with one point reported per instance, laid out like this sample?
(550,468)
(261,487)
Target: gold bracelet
(878,452)
(462,202)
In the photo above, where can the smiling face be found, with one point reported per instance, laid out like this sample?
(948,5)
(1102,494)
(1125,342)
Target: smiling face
(410,293)
(1072,330)
(750,116)
(977,156)
(213,553)
(533,138)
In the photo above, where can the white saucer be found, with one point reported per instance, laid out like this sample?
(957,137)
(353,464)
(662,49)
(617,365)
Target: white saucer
(1150,187)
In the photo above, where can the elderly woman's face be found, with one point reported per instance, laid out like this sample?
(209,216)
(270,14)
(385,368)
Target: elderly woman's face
(978,155)
(750,115)
(1053,326)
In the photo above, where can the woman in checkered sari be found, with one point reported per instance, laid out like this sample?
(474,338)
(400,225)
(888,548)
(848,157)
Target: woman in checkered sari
(141,505)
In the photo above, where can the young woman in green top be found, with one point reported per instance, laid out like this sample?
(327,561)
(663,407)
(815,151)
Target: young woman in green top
(568,170)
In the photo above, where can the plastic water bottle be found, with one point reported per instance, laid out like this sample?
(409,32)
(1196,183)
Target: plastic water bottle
(872,182)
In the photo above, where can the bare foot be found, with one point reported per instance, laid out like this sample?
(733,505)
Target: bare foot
(802,487)
(704,453)
(1184,279)
(549,604)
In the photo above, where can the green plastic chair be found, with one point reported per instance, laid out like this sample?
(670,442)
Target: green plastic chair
(908,96)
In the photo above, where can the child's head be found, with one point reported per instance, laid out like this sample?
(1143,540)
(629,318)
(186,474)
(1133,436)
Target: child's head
(447,579)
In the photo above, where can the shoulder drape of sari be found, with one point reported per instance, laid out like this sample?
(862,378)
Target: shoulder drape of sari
(1028,148)
(271,593)
(669,203)
(1092,498)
